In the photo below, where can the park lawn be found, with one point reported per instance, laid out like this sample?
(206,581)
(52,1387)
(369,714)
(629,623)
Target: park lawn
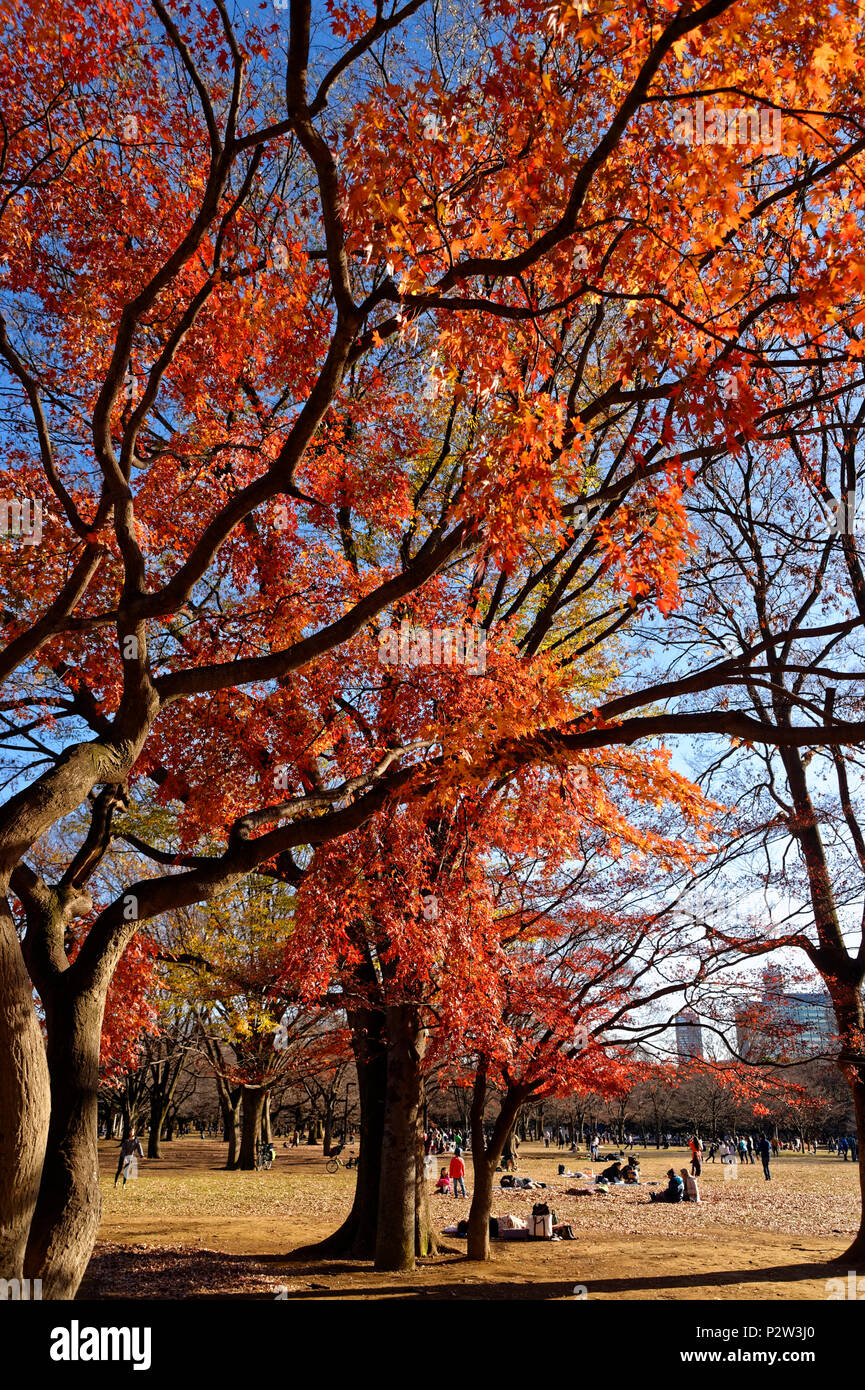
(186,1229)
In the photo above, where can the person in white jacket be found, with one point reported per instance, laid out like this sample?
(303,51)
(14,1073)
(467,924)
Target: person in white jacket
(692,1191)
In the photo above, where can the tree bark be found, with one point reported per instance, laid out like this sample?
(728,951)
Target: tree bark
(253,1109)
(854,1255)
(483,1172)
(158,1111)
(327,1141)
(426,1241)
(395,1235)
(486,1156)
(69,1207)
(355,1238)
(232,1123)
(229,1104)
(24,1101)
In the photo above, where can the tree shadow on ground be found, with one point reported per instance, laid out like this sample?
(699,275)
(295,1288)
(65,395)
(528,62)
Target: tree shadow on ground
(172,1272)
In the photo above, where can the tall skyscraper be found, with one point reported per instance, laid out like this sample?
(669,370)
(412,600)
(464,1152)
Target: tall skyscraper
(689,1035)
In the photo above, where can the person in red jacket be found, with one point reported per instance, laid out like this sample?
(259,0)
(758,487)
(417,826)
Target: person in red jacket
(458,1171)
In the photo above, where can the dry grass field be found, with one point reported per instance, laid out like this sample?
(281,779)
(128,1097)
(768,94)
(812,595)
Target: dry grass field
(187,1229)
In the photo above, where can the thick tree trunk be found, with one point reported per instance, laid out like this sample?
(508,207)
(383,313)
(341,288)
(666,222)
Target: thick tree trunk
(253,1109)
(855,1254)
(157,1120)
(355,1238)
(486,1156)
(66,1220)
(229,1104)
(395,1236)
(426,1241)
(483,1172)
(24,1101)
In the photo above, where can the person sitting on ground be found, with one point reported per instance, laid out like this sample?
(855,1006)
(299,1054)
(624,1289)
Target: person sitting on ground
(443,1186)
(613,1173)
(673,1192)
(631,1171)
(692,1190)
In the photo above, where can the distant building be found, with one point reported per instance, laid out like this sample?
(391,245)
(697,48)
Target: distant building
(689,1036)
(795,1025)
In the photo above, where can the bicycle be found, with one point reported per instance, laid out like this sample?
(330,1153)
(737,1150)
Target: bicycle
(264,1156)
(334,1163)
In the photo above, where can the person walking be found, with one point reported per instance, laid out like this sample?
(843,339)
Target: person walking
(127,1163)
(457,1172)
(764,1149)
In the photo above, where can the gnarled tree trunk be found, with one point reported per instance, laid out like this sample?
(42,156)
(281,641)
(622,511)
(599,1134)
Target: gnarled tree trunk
(426,1241)
(486,1156)
(24,1101)
(68,1210)
(855,1254)
(356,1236)
(395,1235)
(250,1125)
(230,1105)
(158,1112)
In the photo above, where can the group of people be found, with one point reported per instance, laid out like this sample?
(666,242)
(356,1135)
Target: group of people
(846,1147)
(745,1149)
(622,1172)
(439,1140)
(561,1137)
(681,1187)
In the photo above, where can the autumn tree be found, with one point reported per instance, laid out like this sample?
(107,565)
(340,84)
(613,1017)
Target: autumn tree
(227,965)
(239,259)
(779,579)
